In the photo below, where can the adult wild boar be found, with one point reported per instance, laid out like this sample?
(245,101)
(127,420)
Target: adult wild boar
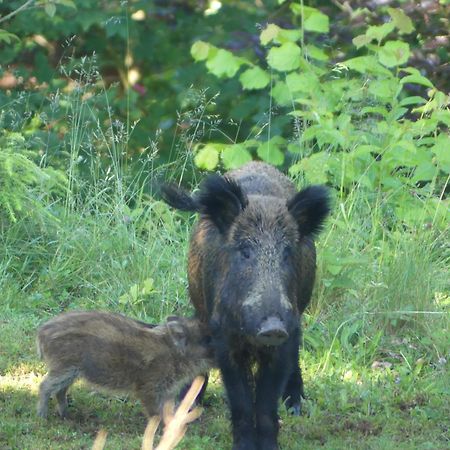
(119,353)
(251,273)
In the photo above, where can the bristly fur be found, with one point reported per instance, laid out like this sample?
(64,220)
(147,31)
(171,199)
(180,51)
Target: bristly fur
(221,199)
(178,198)
(310,207)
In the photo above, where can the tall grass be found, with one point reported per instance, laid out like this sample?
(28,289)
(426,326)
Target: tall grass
(109,243)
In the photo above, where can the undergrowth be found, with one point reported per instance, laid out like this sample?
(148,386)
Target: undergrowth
(375,347)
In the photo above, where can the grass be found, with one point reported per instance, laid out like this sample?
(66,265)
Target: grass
(375,345)
(375,351)
(350,404)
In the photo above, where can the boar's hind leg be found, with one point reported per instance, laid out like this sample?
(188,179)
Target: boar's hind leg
(54,384)
(273,372)
(293,391)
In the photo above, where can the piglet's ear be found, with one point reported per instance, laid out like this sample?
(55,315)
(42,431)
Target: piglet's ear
(177,334)
(222,200)
(310,207)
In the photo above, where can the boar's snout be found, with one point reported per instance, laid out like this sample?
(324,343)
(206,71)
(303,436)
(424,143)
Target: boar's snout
(272,332)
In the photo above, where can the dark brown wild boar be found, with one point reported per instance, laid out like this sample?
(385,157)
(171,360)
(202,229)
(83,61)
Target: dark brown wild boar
(119,353)
(251,272)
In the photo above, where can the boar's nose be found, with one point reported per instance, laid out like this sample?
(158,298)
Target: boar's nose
(272,332)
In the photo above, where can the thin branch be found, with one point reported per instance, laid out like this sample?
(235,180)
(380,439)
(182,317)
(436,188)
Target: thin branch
(18,10)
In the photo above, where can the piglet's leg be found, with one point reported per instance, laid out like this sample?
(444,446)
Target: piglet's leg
(236,376)
(61,398)
(53,383)
(151,401)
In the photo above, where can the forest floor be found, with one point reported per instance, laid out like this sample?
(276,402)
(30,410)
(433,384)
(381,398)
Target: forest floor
(402,404)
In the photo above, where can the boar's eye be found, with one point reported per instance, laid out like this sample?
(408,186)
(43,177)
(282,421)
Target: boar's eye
(245,251)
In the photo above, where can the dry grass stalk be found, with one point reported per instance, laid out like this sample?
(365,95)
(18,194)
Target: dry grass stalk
(175,422)
(100,440)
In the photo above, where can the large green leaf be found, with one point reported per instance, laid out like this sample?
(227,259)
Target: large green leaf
(223,64)
(366,64)
(208,157)
(313,19)
(234,156)
(284,58)
(254,78)
(200,50)
(401,20)
(441,150)
(305,82)
(394,53)
(270,151)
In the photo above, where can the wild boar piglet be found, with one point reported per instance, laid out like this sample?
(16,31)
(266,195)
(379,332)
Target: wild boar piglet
(118,353)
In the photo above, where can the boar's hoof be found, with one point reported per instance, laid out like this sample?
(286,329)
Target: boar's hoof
(272,332)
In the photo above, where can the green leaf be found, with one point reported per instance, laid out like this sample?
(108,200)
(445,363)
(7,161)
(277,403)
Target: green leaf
(361,40)
(394,53)
(314,168)
(223,64)
(417,79)
(208,157)
(316,53)
(281,94)
(317,22)
(305,82)
(288,36)
(414,100)
(424,172)
(254,78)
(200,50)
(441,150)
(270,151)
(313,19)
(379,32)
(384,89)
(284,58)
(50,9)
(269,33)
(401,20)
(234,156)
(366,64)
(7,37)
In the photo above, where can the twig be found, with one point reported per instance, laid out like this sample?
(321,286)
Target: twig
(18,10)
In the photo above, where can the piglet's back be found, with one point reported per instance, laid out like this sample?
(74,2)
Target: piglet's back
(75,335)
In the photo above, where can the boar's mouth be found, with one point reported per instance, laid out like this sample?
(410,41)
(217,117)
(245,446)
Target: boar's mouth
(272,332)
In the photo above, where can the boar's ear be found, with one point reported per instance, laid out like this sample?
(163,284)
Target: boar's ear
(310,207)
(178,198)
(222,200)
(177,334)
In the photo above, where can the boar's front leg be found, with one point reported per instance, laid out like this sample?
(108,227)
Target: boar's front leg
(236,375)
(293,391)
(274,369)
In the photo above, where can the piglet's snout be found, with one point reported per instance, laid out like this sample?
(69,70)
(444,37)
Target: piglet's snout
(272,332)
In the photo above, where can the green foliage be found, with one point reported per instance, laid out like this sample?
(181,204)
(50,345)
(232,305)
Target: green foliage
(353,124)
(23,184)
